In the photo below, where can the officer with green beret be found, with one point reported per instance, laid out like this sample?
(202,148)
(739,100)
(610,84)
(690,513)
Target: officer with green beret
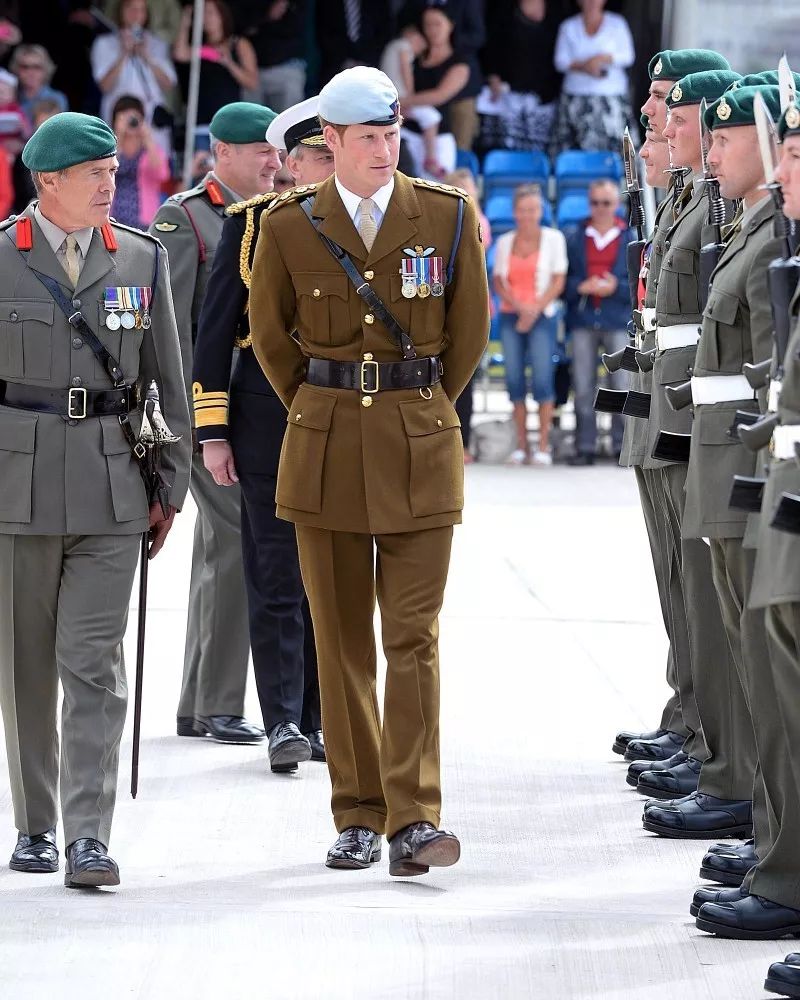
(88,324)
(680,719)
(719,797)
(190,226)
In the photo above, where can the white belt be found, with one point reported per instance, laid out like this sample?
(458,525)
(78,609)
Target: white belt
(784,440)
(720,389)
(680,335)
(649,319)
(774,395)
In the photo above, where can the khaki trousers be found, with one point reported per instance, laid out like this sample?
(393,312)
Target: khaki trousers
(63,612)
(217,647)
(383,777)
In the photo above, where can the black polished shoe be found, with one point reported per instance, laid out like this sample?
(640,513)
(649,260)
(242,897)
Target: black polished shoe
(185,726)
(672,783)
(640,766)
(715,896)
(317,743)
(657,749)
(624,737)
(355,847)
(582,458)
(416,848)
(36,854)
(228,729)
(287,748)
(751,918)
(784,978)
(89,865)
(729,867)
(699,817)
(723,847)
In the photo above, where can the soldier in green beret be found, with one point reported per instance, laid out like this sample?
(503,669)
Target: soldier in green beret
(190,226)
(88,324)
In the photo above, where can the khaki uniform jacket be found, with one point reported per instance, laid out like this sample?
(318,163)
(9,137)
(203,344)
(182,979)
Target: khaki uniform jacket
(635,440)
(189,224)
(61,476)
(737,330)
(397,464)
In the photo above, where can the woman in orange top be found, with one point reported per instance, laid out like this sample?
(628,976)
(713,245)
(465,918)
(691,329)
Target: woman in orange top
(529,274)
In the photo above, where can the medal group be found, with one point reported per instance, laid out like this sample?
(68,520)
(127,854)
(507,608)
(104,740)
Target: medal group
(422,274)
(128,307)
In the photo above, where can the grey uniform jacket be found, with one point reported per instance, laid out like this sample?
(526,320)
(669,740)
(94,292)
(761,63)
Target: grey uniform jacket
(736,330)
(60,476)
(189,224)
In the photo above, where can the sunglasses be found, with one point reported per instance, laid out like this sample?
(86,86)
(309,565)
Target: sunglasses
(596,203)
(29,66)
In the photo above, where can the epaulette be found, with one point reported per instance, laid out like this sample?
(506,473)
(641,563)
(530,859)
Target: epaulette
(8,223)
(260,199)
(180,196)
(136,232)
(437,186)
(293,194)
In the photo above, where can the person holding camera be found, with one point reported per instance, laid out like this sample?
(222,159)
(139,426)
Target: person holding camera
(143,166)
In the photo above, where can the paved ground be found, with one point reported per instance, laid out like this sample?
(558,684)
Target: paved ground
(550,642)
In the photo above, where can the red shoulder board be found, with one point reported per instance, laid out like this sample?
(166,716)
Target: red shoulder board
(214,193)
(24,234)
(109,238)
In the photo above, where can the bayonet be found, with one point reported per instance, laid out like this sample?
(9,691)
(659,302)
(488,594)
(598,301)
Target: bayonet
(786,83)
(711,252)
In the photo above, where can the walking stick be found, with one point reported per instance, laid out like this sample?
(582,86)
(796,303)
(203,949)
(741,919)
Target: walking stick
(140,636)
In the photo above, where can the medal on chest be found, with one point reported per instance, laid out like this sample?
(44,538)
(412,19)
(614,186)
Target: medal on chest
(127,307)
(422,273)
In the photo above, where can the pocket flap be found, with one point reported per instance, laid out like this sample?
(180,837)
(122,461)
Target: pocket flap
(674,366)
(680,260)
(312,409)
(715,424)
(18,431)
(18,310)
(320,286)
(428,416)
(114,442)
(722,306)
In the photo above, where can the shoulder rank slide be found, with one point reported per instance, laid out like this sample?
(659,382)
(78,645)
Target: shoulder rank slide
(24,234)
(214,193)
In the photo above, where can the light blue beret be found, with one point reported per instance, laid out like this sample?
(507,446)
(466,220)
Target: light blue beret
(362,95)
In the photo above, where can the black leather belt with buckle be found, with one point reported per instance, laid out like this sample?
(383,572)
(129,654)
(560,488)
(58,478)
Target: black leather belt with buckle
(74,404)
(374,376)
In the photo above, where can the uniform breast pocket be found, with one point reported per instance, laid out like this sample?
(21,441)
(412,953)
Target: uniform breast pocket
(26,338)
(723,332)
(122,344)
(678,282)
(323,309)
(436,484)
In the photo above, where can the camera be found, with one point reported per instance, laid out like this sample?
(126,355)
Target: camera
(134,121)
(137,33)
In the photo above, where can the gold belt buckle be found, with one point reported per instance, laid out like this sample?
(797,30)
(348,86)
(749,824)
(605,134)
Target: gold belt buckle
(364,366)
(76,397)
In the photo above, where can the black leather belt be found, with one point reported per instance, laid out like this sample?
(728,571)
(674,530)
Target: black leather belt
(76,403)
(374,376)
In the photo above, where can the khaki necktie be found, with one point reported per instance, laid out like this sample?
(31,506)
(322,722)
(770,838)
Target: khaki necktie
(72,259)
(367,226)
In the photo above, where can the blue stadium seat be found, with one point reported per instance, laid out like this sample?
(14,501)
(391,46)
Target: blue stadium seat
(466,158)
(509,167)
(499,210)
(577,168)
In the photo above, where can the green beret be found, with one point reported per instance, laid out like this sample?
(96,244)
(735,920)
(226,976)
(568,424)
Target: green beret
(693,88)
(66,139)
(766,78)
(242,122)
(790,122)
(735,107)
(674,64)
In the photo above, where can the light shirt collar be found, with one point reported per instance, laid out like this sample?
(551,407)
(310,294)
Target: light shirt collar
(55,236)
(352,201)
(602,240)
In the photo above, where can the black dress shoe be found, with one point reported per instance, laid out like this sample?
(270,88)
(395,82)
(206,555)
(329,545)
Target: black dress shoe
(89,865)
(416,848)
(640,766)
(624,737)
(657,749)
(729,867)
(355,847)
(36,853)
(317,743)
(228,729)
(784,978)
(185,726)
(287,748)
(723,847)
(699,817)
(751,918)
(671,783)
(582,458)
(715,896)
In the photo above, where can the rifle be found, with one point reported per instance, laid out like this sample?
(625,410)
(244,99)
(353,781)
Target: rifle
(670,447)
(787,514)
(710,253)
(747,493)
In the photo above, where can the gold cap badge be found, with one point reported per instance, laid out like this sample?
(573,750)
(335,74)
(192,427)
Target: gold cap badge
(657,68)
(677,93)
(792,117)
(723,109)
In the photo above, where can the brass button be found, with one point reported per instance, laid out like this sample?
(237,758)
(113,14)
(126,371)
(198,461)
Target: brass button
(366,400)
(13,317)
(368,357)
(317,293)
(439,423)
(369,275)
(369,319)
(297,416)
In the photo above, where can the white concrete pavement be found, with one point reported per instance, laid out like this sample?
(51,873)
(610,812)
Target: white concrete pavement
(550,642)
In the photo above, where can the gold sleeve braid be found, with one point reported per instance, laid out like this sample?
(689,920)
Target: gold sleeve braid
(245,271)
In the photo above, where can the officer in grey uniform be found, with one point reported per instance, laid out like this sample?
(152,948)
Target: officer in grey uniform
(718,798)
(217,637)
(73,505)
